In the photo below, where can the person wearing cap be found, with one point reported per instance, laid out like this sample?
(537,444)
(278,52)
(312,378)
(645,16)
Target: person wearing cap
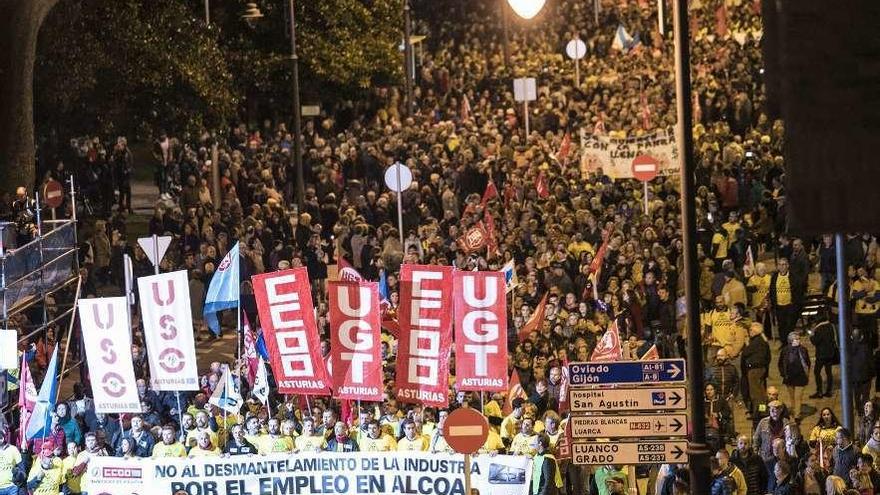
(608,477)
(768,430)
(10,464)
(47,474)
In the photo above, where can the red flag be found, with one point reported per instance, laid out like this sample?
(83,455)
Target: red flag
(509,193)
(354,340)
(608,348)
(721,21)
(651,354)
(563,388)
(284,301)
(474,239)
(490,192)
(491,237)
(480,331)
(541,186)
(698,109)
(645,111)
(27,399)
(346,271)
(250,350)
(534,323)
(564,149)
(599,128)
(514,390)
(426,335)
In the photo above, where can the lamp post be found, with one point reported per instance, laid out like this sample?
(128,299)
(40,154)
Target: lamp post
(407,55)
(252,12)
(526,8)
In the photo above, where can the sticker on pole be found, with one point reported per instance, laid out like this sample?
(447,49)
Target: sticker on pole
(466,430)
(645,168)
(391,177)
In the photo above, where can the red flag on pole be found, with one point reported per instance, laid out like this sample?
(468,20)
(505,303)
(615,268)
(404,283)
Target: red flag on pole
(651,354)
(541,186)
(514,390)
(250,349)
(27,399)
(564,149)
(608,348)
(474,239)
(535,320)
(491,192)
(721,21)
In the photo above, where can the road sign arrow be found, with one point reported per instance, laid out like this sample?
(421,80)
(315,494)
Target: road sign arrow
(674,398)
(675,424)
(677,452)
(674,371)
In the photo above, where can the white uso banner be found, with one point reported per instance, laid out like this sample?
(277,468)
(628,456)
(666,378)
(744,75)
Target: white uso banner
(614,156)
(322,473)
(107,341)
(167,318)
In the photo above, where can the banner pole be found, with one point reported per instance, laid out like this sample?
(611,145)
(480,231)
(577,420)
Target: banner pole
(467,474)
(309,405)
(69,332)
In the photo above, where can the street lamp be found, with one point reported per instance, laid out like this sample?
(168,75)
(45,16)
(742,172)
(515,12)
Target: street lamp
(252,12)
(526,8)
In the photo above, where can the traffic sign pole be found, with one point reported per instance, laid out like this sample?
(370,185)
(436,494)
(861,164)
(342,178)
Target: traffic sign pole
(646,196)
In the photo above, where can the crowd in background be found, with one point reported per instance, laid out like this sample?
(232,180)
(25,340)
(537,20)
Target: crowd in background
(466,134)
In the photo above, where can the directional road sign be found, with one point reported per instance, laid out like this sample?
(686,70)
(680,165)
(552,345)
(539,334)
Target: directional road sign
(653,452)
(629,426)
(627,372)
(627,399)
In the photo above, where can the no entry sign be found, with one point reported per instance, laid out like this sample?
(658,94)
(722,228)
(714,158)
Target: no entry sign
(465,430)
(52,193)
(645,168)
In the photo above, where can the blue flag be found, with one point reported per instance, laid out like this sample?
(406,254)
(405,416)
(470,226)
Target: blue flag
(261,347)
(384,296)
(40,424)
(223,291)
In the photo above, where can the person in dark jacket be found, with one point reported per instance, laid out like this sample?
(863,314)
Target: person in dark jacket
(845,455)
(823,338)
(722,484)
(864,477)
(794,368)
(785,481)
(341,442)
(751,466)
(544,469)
(755,364)
(861,368)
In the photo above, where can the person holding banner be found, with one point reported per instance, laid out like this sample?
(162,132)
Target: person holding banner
(10,464)
(523,442)
(274,441)
(341,442)
(376,440)
(310,441)
(47,473)
(411,440)
(238,444)
(205,447)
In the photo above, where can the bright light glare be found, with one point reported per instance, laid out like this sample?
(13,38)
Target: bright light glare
(526,8)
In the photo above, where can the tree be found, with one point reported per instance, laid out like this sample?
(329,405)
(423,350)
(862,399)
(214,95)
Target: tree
(20,22)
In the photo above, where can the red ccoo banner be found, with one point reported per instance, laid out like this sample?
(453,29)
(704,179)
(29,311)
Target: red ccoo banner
(480,331)
(284,301)
(425,315)
(355,333)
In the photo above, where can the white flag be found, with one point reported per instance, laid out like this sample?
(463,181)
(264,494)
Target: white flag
(167,318)
(107,341)
(227,396)
(261,383)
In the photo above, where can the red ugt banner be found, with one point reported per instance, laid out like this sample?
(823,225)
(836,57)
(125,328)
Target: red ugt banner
(355,334)
(425,314)
(480,331)
(284,301)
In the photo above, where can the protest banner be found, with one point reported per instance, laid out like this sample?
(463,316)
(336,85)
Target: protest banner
(312,474)
(425,314)
(167,318)
(355,334)
(614,156)
(284,302)
(480,331)
(107,341)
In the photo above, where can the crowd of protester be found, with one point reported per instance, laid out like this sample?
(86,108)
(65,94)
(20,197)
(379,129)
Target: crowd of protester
(467,132)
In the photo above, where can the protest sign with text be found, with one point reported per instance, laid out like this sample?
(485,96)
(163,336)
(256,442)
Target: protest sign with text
(480,331)
(355,334)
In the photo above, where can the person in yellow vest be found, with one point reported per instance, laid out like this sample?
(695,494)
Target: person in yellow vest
(733,291)
(730,227)
(169,446)
(47,473)
(72,476)
(438,443)
(720,242)
(723,332)
(782,300)
(510,425)
(493,444)
(310,441)
(546,478)
(411,441)
(253,433)
(203,424)
(376,440)
(552,429)
(390,421)
(274,441)
(758,288)
(10,463)
(522,443)
(204,447)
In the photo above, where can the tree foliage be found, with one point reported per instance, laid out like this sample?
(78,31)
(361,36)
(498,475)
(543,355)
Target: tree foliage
(138,65)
